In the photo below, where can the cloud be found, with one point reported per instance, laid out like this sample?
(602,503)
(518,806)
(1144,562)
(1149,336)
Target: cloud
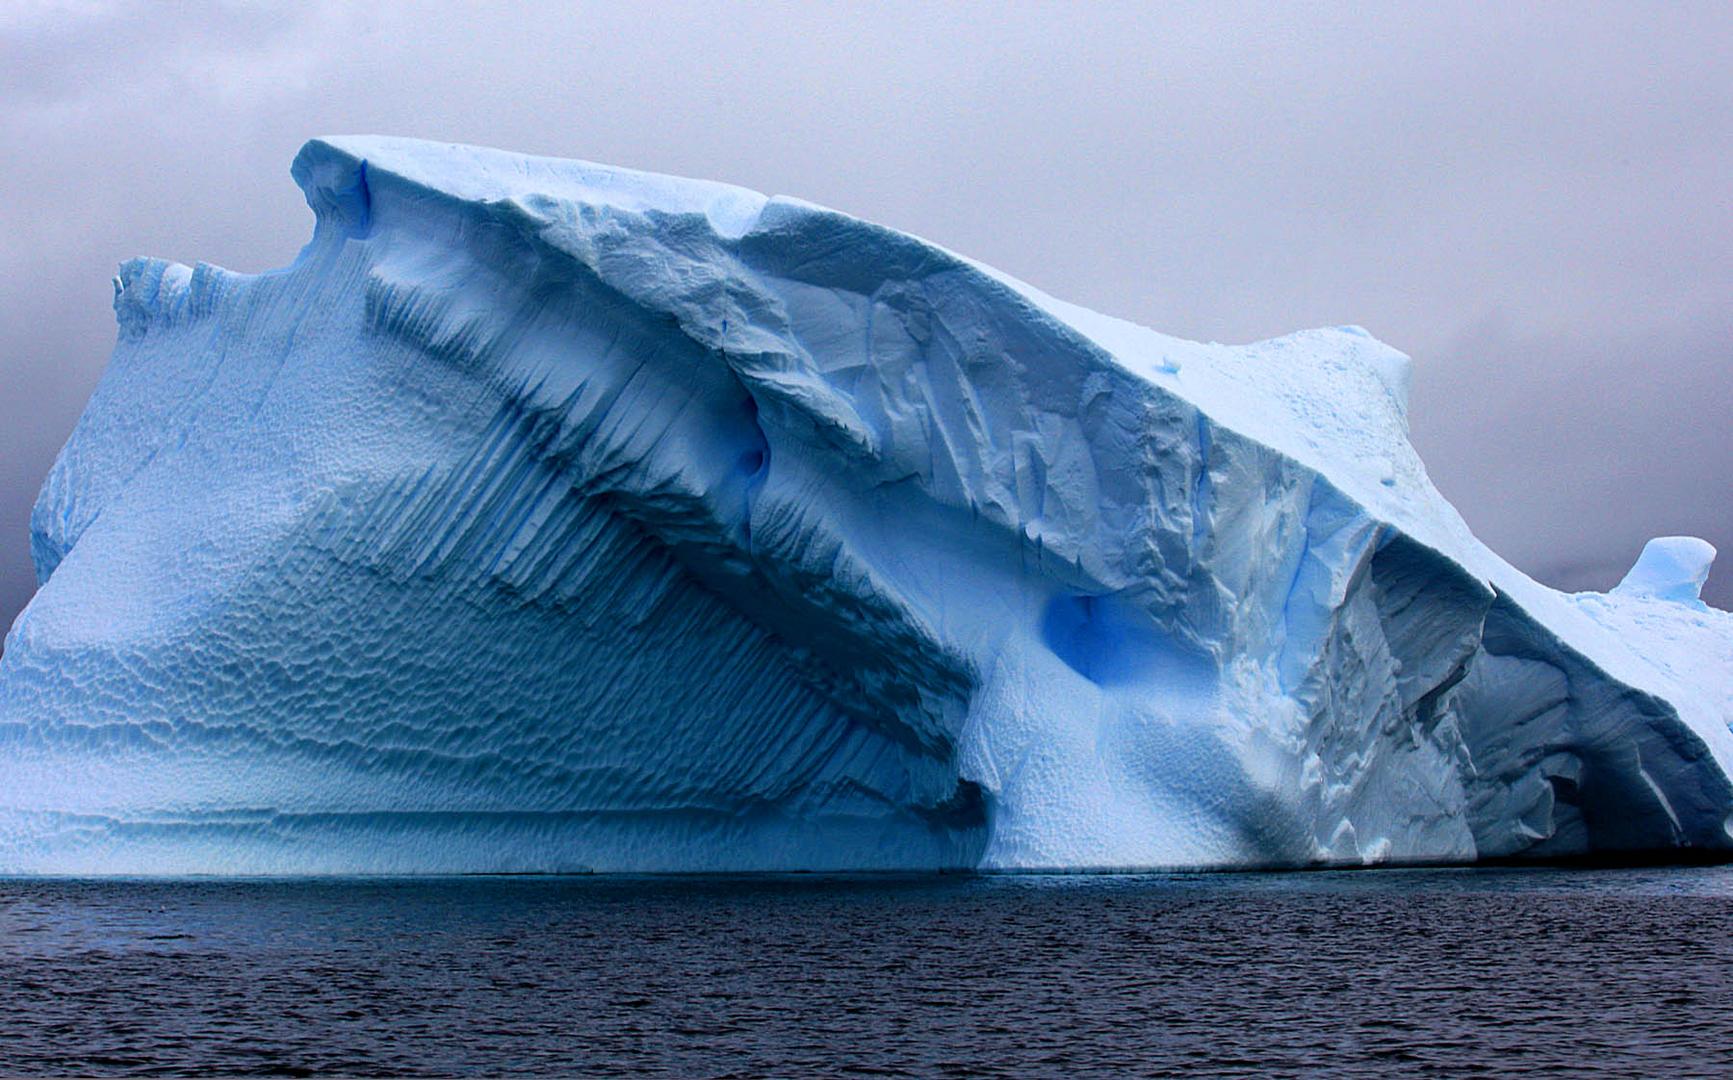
(1531,201)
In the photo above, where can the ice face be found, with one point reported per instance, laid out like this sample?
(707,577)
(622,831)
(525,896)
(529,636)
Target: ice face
(546,516)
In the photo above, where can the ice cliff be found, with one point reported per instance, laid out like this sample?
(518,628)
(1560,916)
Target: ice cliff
(548,516)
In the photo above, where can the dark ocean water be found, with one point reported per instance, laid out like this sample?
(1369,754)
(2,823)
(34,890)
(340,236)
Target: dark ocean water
(1618,972)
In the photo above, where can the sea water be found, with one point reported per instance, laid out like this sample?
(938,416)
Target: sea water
(1453,971)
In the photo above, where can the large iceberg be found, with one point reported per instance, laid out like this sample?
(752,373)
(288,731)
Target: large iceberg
(545,516)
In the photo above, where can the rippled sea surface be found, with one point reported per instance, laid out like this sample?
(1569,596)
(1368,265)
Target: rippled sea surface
(1621,972)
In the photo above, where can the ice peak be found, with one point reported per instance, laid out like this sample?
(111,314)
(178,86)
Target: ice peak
(1671,568)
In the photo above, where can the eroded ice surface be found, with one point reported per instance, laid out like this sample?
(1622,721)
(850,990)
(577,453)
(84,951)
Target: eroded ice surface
(545,516)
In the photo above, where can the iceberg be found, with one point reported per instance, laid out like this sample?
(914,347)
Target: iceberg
(545,516)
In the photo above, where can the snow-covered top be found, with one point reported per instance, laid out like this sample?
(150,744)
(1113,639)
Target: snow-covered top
(1334,399)
(483,175)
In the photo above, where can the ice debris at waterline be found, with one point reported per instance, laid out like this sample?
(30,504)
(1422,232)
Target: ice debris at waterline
(548,516)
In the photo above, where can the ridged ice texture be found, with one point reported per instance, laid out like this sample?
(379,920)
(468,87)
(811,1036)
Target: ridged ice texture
(546,516)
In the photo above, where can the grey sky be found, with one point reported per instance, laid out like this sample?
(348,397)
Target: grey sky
(1537,204)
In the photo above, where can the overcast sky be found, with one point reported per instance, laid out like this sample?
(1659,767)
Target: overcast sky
(1534,201)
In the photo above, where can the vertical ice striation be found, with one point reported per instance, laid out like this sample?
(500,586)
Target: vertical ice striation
(546,516)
